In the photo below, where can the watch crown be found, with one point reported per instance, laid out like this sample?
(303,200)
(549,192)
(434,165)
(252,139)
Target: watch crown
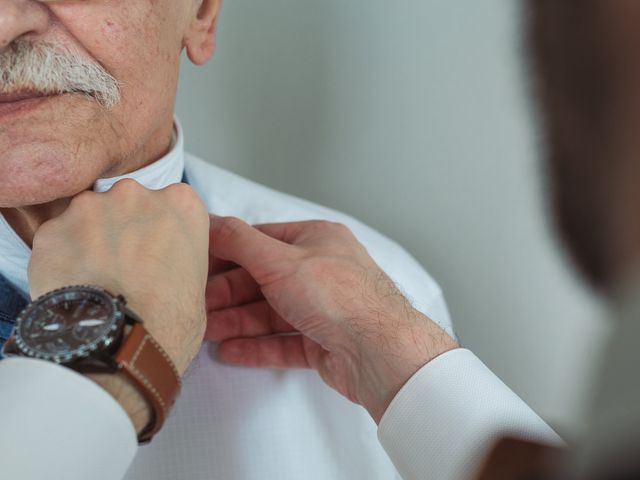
(122,300)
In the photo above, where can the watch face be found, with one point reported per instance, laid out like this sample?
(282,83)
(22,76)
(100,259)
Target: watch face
(68,324)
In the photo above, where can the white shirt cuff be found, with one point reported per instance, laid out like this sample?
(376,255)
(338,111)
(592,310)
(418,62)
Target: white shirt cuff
(58,424)
(447,417)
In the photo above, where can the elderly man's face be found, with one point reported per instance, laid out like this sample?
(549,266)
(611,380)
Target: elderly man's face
(88,88)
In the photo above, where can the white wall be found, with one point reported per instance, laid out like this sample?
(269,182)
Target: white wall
(413,116)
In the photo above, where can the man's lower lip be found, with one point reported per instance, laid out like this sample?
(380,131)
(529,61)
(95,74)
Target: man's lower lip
(10,109)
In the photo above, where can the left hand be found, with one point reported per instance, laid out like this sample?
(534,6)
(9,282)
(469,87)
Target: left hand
(148,245)
(151,247)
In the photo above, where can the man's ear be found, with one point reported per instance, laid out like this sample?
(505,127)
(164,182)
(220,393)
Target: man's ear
(200,39)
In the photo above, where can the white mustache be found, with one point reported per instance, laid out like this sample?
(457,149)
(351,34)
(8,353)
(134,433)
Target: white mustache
(47,69)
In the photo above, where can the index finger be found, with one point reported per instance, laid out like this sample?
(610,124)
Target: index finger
(233,240)
(286,232)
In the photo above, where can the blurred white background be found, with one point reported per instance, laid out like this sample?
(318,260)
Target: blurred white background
(414,117)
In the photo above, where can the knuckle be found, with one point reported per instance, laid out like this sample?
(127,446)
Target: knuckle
(83,198)
(227,227)
(83,202)
(46,230)
(334,228)
(341,229)
(180,190)
(318,227)
(126,186)
(188,202)
(322,224)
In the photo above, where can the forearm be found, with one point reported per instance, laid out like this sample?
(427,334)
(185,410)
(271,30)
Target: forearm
(395,353)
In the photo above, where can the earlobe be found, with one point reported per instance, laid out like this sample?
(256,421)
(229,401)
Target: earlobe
(200,53)
(200,39)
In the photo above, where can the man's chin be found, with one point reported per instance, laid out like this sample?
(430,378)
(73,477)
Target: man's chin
(41,179)
(52,150)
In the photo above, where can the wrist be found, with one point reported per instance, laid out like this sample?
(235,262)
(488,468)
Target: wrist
(180,345)
(102,336)
(395,356)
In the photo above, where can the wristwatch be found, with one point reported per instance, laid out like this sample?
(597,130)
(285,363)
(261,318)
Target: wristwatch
(90,330)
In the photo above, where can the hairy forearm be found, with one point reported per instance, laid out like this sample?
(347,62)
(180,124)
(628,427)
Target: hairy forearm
(395,354)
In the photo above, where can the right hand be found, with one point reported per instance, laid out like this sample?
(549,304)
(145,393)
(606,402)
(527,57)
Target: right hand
(308,295)
(150,246)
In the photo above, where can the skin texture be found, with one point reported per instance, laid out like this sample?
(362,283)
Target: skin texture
(362,338)
(60,148)
(314,280)
(126,240)
(308,295)
(57,150)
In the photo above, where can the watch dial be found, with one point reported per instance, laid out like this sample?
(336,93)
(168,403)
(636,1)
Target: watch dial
(67,325)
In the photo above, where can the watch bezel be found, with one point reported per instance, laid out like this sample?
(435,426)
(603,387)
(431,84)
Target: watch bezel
(103,344)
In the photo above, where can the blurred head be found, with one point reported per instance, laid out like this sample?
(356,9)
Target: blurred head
(87,88)
(587,58)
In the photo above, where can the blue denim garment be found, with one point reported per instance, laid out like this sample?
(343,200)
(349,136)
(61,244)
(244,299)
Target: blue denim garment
(12,301)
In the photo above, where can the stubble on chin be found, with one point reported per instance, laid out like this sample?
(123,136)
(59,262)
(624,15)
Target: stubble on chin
(58,152)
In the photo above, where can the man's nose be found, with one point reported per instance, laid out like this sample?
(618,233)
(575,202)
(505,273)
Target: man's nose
(19,18)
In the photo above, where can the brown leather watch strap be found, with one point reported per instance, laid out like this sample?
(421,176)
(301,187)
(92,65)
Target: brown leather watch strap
(153,372)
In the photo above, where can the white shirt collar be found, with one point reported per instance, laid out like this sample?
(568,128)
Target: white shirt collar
(15,254)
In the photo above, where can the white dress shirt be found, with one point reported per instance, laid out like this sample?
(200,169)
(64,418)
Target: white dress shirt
(233,423)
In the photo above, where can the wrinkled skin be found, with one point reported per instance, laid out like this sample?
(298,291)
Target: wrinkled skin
(54,148)
(308,295)
(61,147)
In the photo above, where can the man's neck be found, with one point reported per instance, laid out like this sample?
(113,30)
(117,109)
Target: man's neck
(25,221)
